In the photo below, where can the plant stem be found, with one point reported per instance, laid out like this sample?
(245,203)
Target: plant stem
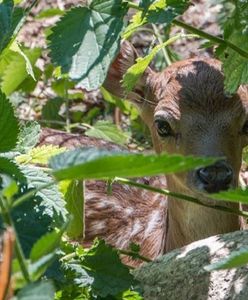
(210,37)
(28,9)
(180,196)
(134,5)
(134,255)
(159,37)
(199,32)
(18,249)
(31,193)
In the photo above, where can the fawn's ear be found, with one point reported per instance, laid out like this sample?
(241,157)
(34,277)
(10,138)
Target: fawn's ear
(142,94)
(113,82)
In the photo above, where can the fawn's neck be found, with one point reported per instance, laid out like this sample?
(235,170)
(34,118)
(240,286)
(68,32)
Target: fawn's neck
(188,222)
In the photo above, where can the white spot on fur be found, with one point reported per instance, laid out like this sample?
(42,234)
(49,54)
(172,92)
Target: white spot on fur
(137,227)
(154,220)
(96,226)
(128,211)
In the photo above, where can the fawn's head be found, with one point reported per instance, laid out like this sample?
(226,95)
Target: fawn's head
(188,112)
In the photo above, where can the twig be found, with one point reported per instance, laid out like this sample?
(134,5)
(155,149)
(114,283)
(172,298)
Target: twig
(180,196)
(164,50)
(199,32)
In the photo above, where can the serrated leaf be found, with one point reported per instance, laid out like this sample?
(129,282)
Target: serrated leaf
(86,39)
(50,198)
(43,290)
(11,79)
(158,12)
(28,137)
(10,168)
(40,155)
(9,128)
(110,276)
(74,198)
(108,131)
(10,20)
(134,73)
(234,260)
(93,163)
(101,270)
(235,65)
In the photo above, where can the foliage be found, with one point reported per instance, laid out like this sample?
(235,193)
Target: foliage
(44,203)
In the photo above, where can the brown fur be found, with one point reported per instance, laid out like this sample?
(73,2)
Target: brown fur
(205,122)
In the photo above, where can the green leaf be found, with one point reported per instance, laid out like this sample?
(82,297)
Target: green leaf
(31,222)
(102,270)
(74,198)
(108,131)
(131,295)
(50,198)
(40,155)
(158,12)
(10,19)
(43,290)
(28,137)
(235,66)
(234,260)
(134,73)
(39,267)
(46,244)
(167,11)
(50,12)
(8,167)
(102,262)
(9,187)
(50,112)
(11,79)
(86,39)
(9,128)
(93,163)
(237,196)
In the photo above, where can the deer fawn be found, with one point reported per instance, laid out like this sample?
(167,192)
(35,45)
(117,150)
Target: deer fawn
(187,112)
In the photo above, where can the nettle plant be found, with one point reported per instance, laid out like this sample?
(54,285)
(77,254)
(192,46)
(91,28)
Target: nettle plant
(40,186)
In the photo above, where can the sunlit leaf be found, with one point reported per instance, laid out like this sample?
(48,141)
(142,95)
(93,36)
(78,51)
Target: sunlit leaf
(86,39)
(108,131)
(74,198)
(93,163)
(40,155)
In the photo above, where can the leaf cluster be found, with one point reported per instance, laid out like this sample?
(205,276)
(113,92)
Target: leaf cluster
(45,206)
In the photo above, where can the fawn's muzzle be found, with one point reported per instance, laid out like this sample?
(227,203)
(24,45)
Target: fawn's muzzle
(216,177)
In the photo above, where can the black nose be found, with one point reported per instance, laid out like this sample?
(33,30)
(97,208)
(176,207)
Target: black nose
(216,177)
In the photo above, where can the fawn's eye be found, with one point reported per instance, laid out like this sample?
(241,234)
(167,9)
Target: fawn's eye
(245,128)
(163,128)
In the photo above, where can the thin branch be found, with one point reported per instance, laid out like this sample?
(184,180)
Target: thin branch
(134,255)
(199,32)
(180,196)
(164,50)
